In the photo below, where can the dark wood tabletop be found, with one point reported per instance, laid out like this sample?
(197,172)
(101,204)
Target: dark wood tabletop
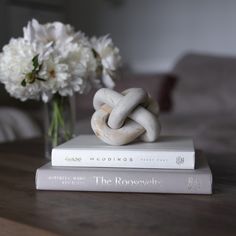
(25,211)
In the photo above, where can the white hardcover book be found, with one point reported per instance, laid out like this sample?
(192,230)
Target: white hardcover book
(198,181)
(169,152)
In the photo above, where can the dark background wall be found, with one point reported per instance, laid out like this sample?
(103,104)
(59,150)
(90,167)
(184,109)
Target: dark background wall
(152,34)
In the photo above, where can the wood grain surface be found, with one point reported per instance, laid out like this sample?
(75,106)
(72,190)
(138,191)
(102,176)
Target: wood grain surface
(23,209)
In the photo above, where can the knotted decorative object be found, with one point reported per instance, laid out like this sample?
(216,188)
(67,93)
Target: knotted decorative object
(121,118)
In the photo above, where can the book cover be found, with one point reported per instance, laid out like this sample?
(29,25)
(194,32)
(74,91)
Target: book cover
(172,152)
(197,181)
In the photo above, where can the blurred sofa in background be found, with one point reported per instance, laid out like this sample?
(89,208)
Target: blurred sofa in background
(204,101)
(18,119)
(196,98)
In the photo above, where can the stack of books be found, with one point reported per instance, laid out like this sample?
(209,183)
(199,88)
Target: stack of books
(85,163)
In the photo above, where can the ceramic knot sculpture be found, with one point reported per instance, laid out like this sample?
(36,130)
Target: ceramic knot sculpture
(121,118)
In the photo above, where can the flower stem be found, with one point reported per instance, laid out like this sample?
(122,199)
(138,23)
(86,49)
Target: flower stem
(58,131)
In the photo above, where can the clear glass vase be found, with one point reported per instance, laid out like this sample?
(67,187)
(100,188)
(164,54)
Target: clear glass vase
(59,121)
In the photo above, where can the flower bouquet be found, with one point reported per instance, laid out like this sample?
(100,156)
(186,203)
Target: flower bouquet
(51,62)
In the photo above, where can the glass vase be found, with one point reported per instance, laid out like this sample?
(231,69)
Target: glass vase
(59,121)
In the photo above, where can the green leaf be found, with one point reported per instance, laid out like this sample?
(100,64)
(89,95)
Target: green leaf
(33,75)
(95,54)
(31,78)
(41,79)
(39,68)
(35,62)
(23,82)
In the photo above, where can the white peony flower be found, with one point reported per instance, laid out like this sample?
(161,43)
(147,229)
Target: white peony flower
(79,60)
(108,57)
(56,75)
(69,74)
(54,59)
(16,66)
(70,50)
(55,34)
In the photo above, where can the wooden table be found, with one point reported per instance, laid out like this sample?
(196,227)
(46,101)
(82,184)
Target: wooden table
(25,211)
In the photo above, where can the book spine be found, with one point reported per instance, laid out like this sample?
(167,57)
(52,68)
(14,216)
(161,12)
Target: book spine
(124,159)
(124,181)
